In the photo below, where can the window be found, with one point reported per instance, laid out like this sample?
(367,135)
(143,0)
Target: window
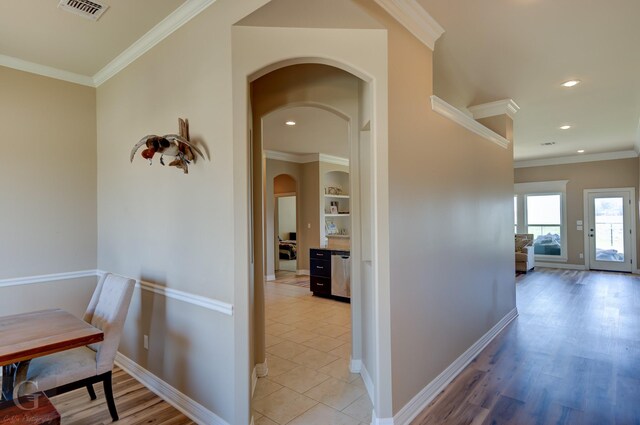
(544,221)
(539,209)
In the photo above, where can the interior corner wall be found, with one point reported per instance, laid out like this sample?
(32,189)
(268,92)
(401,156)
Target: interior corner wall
(48,187)
(585,175)
(178,230)
(451,235)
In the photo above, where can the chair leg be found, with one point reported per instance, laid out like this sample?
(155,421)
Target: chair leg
(92,393)
(108,393)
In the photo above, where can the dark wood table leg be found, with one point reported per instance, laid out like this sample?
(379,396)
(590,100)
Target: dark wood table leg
(8,377)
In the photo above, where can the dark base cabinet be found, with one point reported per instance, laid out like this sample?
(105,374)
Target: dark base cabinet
(320,280)
(320,285)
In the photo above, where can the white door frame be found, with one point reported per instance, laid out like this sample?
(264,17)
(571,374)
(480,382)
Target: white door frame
(587,241)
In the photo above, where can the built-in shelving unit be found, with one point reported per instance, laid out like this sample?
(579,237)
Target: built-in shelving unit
(336,220)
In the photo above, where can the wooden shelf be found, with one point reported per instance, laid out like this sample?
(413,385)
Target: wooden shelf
(337,196)
(337,215)
(339,236)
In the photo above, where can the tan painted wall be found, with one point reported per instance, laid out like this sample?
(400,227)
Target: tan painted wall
(177,230)
(48,187)
(586,175)
(48,176)
(451,207)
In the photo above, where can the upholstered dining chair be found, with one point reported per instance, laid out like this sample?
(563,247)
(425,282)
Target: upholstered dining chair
(82,367)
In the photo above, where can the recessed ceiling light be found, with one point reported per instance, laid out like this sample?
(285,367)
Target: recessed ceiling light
(581,151)
(565,127)
(290,123)
(571,83)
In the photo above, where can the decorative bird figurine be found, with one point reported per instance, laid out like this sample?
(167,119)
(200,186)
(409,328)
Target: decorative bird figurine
(171,145)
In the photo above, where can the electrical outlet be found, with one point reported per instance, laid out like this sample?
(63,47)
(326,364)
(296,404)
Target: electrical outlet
(581,255)
(308,225)
(146,342)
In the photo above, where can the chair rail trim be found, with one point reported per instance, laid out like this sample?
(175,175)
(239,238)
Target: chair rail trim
(176,294)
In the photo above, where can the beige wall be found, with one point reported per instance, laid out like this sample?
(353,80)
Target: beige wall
(48,184)
(587,175)
(48,187)
(172,229)
(451,206)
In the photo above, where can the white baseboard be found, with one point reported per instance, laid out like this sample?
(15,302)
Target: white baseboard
(368,382)
(636,271)
(191,408)
(262,369)
(563,266)
(355,365)
(254,381)
(380,421)
(271,277)
(435,387)
(303,272)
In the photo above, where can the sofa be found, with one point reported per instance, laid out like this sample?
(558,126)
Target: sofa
(525,256)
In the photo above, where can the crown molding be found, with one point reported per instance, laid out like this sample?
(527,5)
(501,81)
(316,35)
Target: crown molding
(162,30)
(456,115)
(46,71)
(333,159)
(574,159)
(415,19)
(291,157)
(492,109)
(305,158)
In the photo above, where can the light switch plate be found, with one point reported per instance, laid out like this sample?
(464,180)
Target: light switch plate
(579,222)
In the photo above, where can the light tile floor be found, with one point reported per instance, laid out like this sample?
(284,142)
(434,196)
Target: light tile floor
(308,349)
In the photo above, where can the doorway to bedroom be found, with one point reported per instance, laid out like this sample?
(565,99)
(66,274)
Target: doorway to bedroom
(285,224)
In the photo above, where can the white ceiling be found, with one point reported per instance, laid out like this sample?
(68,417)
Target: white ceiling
(524,49)
(37,31)
(316,131)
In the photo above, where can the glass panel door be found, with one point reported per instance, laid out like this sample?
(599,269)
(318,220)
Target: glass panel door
(609,231)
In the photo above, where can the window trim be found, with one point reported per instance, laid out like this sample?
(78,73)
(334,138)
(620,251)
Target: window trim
(559,187)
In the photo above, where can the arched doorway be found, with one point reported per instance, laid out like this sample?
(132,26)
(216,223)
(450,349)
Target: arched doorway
(362,55)
(298,346)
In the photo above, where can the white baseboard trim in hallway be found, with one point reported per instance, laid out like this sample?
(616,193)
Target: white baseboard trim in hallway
(271,277)
(368,382)
(303,272)
(189,407)
(435,387)
(563,266)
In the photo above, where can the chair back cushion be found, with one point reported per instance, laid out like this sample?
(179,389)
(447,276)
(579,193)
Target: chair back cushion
(107,311)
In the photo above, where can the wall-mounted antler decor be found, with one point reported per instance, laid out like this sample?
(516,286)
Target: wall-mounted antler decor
(174,145)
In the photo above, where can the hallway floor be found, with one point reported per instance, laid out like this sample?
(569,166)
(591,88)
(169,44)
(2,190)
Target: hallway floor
(308,350)
(571,357)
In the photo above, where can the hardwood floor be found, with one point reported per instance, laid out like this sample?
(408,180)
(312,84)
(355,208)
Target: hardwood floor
(136,405)
(571,357)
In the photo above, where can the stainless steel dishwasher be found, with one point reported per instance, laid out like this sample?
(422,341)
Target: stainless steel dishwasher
(341,274)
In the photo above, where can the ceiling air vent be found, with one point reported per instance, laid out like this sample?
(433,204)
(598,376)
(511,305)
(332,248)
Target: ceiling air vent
(85,8)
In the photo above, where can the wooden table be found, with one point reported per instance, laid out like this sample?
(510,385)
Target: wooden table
(32,409)
(29,335)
